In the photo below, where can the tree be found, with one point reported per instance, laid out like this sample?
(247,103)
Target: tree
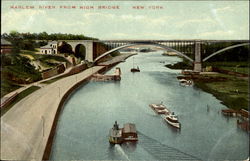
(43,36)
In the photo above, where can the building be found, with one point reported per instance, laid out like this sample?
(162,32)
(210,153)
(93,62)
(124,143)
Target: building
(50,48)
(6,46)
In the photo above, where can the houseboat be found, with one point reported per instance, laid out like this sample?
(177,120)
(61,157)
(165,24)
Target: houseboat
(172,119)
(121,135)
(159,108)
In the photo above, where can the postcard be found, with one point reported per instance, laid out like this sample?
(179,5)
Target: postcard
(124,80)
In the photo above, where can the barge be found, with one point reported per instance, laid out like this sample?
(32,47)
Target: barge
(121,135)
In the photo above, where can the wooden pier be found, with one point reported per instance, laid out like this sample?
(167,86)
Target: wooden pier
(230,112)
(102,77)
(243,115)
(243,125)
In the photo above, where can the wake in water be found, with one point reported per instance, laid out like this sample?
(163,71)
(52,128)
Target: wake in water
(162,151)
(119,149)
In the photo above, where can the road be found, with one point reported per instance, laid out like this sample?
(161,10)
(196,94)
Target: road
(25,128)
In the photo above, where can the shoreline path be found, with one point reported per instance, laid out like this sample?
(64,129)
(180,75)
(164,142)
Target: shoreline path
(26,127)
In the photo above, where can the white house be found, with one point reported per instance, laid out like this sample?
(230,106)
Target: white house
(50,48)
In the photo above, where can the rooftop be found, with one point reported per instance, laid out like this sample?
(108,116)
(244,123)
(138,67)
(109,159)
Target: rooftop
(48,46)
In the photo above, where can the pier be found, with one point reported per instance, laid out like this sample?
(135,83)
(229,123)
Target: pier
(113,77)
(243,115)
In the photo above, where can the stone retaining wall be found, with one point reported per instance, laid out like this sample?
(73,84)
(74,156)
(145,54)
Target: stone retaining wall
(54,71)
(77,69)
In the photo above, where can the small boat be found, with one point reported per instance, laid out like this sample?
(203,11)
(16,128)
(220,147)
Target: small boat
(135,69)
(120,135)
(172,119)
(185,82)
(159,108)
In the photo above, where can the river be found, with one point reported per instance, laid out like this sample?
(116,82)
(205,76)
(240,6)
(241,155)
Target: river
(82,130)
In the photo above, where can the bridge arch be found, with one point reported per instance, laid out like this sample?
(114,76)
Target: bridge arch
(135,44)
(80,51)
(224,49)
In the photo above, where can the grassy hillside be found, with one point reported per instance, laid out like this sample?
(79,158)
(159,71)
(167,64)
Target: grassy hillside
(233,91)
(18,69)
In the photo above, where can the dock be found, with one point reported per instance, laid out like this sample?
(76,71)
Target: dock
(243,115)
(104,77)
(230,112)
(243,125)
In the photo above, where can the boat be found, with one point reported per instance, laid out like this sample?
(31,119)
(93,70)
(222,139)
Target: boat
(115,134)
(172,119)
(185,82)
(121,135)
(135,69)
(159,108)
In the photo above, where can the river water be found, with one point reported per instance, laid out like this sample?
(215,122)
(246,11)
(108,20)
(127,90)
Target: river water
(82,130)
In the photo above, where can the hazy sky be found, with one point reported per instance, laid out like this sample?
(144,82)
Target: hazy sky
(177,19)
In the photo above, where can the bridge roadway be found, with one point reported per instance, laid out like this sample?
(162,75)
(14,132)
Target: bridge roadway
(26,127)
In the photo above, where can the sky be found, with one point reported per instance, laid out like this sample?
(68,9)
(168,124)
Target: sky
(175,20)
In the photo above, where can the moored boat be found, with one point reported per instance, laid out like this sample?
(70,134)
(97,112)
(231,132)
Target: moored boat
(172,119)
(185,82)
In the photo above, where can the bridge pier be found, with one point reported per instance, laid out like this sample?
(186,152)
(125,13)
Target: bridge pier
(197,60)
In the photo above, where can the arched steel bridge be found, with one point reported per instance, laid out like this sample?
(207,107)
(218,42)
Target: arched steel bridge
(181,47)
(191,50)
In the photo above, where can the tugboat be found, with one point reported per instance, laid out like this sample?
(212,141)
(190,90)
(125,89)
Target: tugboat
(135,69)
(115,134)
(120,135)
(159,108)
(172,119)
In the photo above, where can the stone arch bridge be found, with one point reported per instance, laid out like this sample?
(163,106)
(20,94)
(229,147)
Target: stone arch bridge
(191,50)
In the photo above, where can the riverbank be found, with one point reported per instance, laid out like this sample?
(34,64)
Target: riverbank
(106,66)
(26,136)
(231,90)
(30,136)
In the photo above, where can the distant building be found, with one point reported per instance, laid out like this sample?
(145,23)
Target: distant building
(50,48)
(6,46)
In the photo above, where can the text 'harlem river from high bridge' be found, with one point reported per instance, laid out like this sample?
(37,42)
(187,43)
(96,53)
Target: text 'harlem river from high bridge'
(83,127)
